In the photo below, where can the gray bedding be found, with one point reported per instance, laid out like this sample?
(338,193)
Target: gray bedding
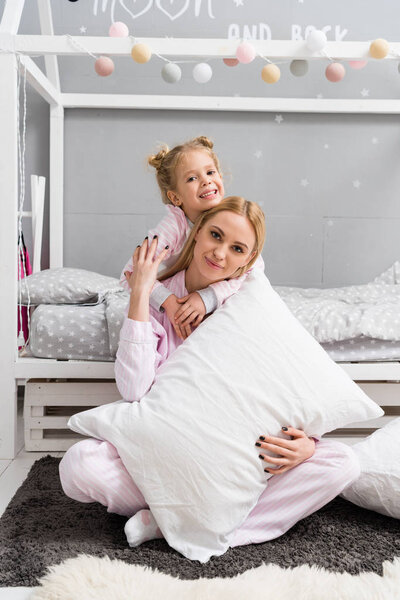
(352,323)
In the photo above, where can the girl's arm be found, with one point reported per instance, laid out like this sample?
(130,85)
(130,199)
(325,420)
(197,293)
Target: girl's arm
(171,231)
(143,343)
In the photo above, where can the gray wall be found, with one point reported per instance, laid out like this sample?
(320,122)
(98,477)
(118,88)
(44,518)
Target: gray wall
(328,183)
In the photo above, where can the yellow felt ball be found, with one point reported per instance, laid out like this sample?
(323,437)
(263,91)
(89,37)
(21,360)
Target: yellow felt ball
(141,53)
(271,73)
(379,48)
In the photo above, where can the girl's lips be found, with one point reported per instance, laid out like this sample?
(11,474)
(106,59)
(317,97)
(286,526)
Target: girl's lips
(211,264)
(208,194)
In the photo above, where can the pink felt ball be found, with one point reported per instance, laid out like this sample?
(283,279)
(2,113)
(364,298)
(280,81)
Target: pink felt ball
(231,62)
(335,72)
(357,64)
(104,66)
(245,52)
(118,29)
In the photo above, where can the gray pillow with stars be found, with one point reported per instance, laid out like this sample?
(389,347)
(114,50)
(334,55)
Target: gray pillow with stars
(66,285)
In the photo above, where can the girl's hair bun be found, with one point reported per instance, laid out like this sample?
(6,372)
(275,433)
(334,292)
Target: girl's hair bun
(204,141)
(155,160)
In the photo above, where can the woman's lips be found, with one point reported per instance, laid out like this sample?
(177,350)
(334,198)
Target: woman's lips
(211,264)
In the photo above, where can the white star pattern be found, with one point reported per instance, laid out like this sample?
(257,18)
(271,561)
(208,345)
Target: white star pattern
(375,140)
(238,3)
(83,29)
(304,182)
(278,119)
(319,96)
(326,146)
(356,184)
(257,154)
(364,93)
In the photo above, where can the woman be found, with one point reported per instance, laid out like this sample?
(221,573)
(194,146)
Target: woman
(225,242)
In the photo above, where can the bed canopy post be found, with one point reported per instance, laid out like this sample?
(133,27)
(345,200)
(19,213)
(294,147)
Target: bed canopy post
(8,253)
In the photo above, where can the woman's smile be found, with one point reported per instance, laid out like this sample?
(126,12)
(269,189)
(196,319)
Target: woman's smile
(212,264)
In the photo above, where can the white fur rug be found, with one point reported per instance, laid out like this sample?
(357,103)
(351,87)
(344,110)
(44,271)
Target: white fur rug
(93,578)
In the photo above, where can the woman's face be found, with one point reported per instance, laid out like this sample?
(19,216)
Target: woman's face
(224,244)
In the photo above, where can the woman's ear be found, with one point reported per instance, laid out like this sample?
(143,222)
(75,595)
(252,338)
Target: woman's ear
(173,198)
(197,233)
(252,255)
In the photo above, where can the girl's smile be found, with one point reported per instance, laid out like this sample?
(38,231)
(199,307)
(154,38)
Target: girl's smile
(198,184)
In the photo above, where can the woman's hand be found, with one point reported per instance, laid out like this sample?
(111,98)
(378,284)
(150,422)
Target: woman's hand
(145,266)
(190,314)
(290,452)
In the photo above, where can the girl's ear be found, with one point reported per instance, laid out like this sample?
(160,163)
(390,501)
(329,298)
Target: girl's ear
(173,198)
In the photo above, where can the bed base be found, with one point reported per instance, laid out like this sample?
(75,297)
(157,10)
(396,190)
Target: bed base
(49,402)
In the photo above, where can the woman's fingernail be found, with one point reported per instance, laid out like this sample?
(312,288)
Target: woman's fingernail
(261,456)
(155,236)
(284,428)
(266,470)
(166,247)
(258,444)
(147,237)
(261,438)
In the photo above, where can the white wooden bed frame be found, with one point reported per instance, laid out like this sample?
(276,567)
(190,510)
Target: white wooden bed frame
(381,380)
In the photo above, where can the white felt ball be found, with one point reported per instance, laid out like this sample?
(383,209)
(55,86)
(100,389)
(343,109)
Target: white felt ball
(118,29)
(104,66)
(171,73)
(316,40)
(299,67)
(202,73)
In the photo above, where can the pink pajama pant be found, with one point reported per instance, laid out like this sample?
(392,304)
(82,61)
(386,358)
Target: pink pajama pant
(92,471)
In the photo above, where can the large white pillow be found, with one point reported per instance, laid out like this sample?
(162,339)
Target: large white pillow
(378,487)
(189,444)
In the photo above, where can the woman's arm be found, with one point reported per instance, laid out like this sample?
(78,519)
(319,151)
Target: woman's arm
(143,343)
(290,453)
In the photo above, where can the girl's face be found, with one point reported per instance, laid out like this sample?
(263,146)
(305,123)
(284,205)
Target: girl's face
(198,184)
(223,245)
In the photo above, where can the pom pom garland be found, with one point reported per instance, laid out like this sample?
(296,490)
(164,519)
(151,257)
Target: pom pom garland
(298,68)
(118,29)
(202,73)
(379,48)
(171,73)
(316,40)
(104,66)
(270,73)
(231,62)
(141,53)
(335,72)
(245,53)
(357,64)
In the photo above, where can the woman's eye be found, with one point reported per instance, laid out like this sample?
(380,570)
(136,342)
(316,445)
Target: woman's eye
(238,249)
(215,235)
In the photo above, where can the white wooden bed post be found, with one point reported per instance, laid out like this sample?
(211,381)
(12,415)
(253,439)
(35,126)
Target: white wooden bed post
(8,233)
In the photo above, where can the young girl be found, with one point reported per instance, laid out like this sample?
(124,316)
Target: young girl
(225,242)
(190,181)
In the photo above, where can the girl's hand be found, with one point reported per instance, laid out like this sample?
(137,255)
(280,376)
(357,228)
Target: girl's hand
(145,266)
(190,314)
(171,305)
(290,452)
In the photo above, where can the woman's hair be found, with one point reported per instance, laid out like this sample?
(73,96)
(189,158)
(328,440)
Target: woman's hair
(166,161)
(235,204)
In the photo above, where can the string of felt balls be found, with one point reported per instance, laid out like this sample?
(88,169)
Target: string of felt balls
(245,54)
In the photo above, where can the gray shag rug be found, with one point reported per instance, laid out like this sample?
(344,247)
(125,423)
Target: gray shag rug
(42,527)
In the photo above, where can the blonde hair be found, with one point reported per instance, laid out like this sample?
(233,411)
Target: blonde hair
(235,204)
(166,161)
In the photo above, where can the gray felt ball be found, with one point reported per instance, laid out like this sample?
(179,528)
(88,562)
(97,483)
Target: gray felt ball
(171,73)
(299,67)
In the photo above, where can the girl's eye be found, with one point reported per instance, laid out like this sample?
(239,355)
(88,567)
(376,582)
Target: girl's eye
(215,235)
(238,249)
(210,172)
(192,178)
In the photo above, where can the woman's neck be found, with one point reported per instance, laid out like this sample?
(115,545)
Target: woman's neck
(194,280)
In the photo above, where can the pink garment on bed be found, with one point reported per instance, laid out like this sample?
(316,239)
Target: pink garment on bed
(23,257)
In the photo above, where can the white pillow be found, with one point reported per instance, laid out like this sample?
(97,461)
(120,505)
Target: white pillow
(378,487)
(189,444)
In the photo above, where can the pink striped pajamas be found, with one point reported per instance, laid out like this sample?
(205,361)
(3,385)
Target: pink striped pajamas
(92,471)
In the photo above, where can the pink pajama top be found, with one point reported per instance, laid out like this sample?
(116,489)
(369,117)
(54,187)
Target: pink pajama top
(145,345)
(173,231)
